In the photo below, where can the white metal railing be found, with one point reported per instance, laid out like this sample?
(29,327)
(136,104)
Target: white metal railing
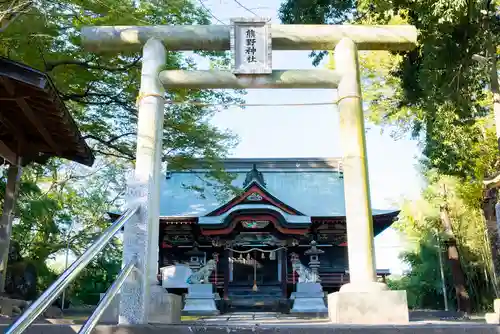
(107,299)
(48,297)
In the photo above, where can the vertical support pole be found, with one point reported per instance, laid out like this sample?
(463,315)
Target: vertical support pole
(141,233)
(227,268)
(11,191)
(279,264)
(161,234)
(356,185)
(231,266)
(284,278)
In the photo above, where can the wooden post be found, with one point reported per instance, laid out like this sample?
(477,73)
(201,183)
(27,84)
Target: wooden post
(11,192)
(356,184)
(141,234)
(284,272)
(226,274)
(161,233)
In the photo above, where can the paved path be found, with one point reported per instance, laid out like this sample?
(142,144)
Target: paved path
(256,318)
(279,319)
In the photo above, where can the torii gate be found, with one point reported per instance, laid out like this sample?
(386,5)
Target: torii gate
(252,69)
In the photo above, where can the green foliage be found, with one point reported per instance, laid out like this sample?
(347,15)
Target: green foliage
(423,282)
(101,91)
(420,221)
(64,205)
(97,277)
(440,95)
(437,92)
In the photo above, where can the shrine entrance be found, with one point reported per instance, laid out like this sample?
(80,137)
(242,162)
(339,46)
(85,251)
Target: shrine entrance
(254,269)
(255,280)
(251,41)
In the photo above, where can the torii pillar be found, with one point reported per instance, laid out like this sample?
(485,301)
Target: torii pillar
(363,300)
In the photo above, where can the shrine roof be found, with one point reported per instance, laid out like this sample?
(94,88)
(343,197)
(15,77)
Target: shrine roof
(34,121)
(313,187)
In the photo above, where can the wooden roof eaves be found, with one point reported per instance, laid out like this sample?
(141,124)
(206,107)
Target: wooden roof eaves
(41,81)
(392,215)
(268,164)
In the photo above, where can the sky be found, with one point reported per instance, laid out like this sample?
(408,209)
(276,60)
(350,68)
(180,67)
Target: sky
(313,131)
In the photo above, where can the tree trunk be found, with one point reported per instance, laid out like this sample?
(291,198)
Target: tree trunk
(463,298)
(13,178)
(489,211)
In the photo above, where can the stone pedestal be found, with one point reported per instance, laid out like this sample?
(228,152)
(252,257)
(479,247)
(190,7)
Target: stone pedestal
(368,307)
(110,315)
(200,300)
(165,307)
(309,299)
(175,277)
(494,318)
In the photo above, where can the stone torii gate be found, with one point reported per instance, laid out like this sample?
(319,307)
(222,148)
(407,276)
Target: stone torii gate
(252,41)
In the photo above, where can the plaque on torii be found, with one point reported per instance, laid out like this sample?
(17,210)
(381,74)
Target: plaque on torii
(251,46)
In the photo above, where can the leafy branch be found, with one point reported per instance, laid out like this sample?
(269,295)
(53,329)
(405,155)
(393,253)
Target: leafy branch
(10,10)
(51,65)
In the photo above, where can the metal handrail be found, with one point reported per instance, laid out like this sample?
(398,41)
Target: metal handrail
(92,321)
(48,297)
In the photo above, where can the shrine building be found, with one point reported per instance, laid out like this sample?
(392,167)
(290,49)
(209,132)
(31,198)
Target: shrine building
(286,209)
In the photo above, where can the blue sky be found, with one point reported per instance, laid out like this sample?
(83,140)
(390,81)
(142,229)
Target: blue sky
(313,131)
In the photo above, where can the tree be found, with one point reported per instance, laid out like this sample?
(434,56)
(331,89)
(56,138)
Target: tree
(463,232)
(11,10)
(101,90)
(63,205)
(437,92)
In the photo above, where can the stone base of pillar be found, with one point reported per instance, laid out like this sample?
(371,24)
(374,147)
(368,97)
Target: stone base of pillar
(165,308)
(200,300)
(365,287)
(494,318)
(110,315)
(309,300)
(375,307)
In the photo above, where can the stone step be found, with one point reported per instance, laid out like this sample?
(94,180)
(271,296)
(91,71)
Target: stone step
(249,291)
(274,328)
(253,302)
(261,289)
(255,296)
(264,287)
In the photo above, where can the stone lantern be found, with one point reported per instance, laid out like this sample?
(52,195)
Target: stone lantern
(195,258)
(314,262)
(309,297)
